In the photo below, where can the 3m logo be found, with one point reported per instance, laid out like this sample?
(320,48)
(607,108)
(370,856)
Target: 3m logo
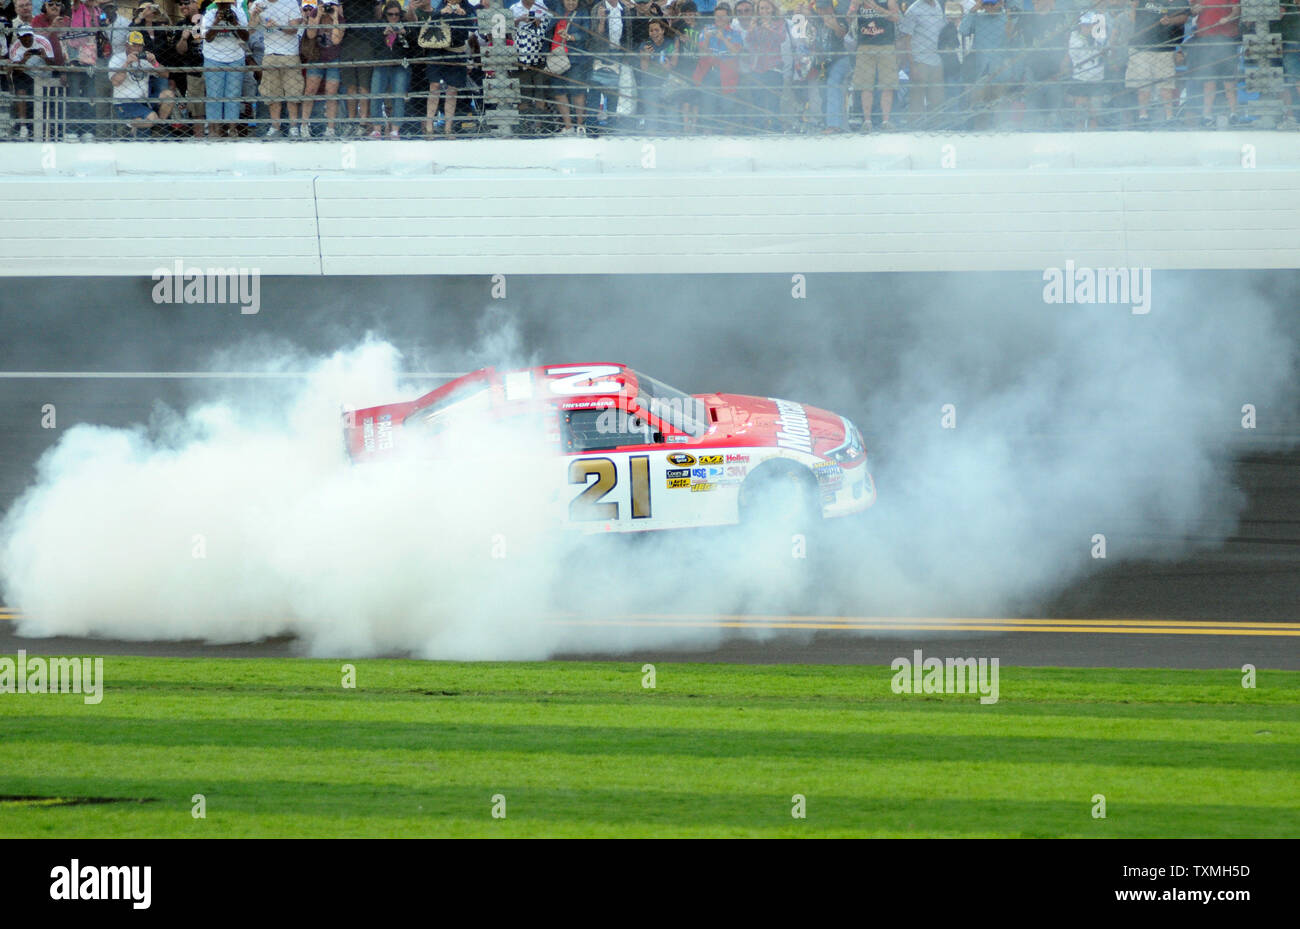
(681,458)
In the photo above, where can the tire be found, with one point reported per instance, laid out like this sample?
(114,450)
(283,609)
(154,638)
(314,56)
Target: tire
(780,496)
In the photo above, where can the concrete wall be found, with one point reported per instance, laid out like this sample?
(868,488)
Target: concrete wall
(897,203)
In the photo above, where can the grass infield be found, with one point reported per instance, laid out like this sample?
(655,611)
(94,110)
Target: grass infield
(280,748)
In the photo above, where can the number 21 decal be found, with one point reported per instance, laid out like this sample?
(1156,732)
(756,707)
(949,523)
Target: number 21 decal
(587,505)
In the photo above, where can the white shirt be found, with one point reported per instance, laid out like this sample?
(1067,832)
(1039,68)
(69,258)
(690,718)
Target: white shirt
(136,84)
(614,29)
(118,31)
(280,12)
(538,6)
(18,50)
(224,47)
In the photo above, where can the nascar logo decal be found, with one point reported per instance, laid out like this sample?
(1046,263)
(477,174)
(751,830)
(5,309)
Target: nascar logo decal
(792,426)
(681,458)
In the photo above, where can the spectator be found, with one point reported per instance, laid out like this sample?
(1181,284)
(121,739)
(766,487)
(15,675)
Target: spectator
(532,26)
(185,61)
(357,52)
(876,67)
(950,53)
(988,65)
(570,34)
(445,39)
(918,49)
(282,82)
(31,54)
(50,23)
(1046,34)
(718,71)
(323,27)
(151,22)
(611,42)
(743,23)
(658,61)
(396,45)
(1117,36)
(81,50)
(225,30)
(684,32)
(130,72)
(1157,30)
(1213,55)
(642,14)
(1087,70)
(119,27)
(763,44)
(1289,27)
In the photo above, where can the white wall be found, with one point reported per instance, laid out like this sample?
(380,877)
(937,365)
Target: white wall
(893,203)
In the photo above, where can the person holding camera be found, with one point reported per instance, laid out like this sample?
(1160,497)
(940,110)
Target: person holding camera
(185,61)
(282,82)
(323,35)
(445,41)
(224,30)
(129,71)
(396,45)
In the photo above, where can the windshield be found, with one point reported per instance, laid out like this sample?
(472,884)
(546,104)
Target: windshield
(681,411)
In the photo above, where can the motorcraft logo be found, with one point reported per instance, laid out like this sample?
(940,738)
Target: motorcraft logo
(103,882)
(52,676)
(792,426)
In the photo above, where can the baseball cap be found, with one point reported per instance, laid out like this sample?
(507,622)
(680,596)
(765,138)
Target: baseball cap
(135,38)
(24,29)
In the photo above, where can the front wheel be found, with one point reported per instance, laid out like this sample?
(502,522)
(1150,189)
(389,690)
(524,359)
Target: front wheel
(780,498)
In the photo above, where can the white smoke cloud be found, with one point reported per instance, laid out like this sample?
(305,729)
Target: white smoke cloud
(1073,423)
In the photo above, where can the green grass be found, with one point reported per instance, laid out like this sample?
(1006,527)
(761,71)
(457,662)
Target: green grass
(279,748)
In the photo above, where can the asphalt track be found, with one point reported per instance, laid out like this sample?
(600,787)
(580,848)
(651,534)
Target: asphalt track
(1236,602)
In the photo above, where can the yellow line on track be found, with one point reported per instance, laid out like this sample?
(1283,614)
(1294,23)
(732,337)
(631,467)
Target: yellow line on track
(915,624)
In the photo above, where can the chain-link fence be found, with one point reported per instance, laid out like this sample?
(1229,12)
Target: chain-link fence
(451,70)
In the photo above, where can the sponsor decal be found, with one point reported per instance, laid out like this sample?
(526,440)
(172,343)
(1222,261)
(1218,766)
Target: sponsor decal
(584,379)
(368,433)
(710,459)
(384,432)
(737,459)
(678,472)
(678,438)
(736,471)
(702,488)
(586,404)
(699,474)
(792,426)
(829,474)
(676,482)
(681,458)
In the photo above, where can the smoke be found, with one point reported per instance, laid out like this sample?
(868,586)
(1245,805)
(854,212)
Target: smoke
(240,517)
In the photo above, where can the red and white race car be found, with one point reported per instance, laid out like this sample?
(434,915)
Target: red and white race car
(634,454)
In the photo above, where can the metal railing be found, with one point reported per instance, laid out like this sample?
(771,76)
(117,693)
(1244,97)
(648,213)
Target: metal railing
(804,84)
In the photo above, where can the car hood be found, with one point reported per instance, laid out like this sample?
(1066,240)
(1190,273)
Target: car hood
(769,421)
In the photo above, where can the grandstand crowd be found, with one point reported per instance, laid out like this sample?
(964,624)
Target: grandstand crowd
(77,70)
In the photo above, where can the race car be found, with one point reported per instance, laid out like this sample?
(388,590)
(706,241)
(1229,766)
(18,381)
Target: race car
(632,454)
